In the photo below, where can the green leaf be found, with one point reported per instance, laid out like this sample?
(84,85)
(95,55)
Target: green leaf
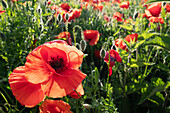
(128,27)
(157,85)
(146,35)
(163,42)
(135,63)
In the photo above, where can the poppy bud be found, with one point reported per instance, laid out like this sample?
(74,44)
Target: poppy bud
(135,15)
(59,17)
(45,3)
(82,45)
(102,53)
(39,10)
(4,4)
(66,16)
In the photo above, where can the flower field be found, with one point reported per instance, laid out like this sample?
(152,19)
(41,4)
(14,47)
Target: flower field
(84,56)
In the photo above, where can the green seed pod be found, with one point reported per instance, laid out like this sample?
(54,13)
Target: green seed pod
(67,16)
(59,17)
(82,45)
(102,53)
(5,5)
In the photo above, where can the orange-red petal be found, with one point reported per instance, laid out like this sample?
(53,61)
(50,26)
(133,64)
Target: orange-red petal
(79,90)
(92,36)
(155,9)
(26,93)
(59,86)
(54,106)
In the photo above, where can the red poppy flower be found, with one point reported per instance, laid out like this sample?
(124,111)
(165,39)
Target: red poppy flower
(77,13)
(92,36)
(65,6)
(79,90)
(122,45)
(114,56)
(98,7)
(155,9)
(167,6)
(26,93)
(118,16)
(65,35)
(124,4)
(58,63)
(131,37)
(54,106)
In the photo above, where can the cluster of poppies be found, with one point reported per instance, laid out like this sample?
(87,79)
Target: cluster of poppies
(153,12)
(91,36)
(64,9)
(51,70)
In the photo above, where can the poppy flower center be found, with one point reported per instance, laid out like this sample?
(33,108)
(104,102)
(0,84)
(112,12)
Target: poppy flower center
(57,63)
(112,59)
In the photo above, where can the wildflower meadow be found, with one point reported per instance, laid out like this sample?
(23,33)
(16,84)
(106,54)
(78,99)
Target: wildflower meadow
(84,56)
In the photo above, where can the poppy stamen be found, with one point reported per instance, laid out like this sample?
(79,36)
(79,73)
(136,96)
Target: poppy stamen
(57,63)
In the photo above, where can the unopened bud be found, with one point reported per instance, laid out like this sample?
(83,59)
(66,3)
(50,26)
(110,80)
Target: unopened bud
(59,17)
(135,15)
(82,45)
(102,53)
(4,4)
(67,16)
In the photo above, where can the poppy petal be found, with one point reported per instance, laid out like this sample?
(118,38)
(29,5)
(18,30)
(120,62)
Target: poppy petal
(75,57)
(59,86)
(26,93)
(55,106)
(36,70)
(79,90)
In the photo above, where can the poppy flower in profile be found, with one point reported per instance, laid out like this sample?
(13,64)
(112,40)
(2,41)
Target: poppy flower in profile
(117,16)
(124,4)
(65,6)
(54,106)
(92,36)
(155,9)
(77,12)
(26,93)
(58,63)
(131,37)
(79,90)
(167,6)
(114,56)
(65,35)
(122,45)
